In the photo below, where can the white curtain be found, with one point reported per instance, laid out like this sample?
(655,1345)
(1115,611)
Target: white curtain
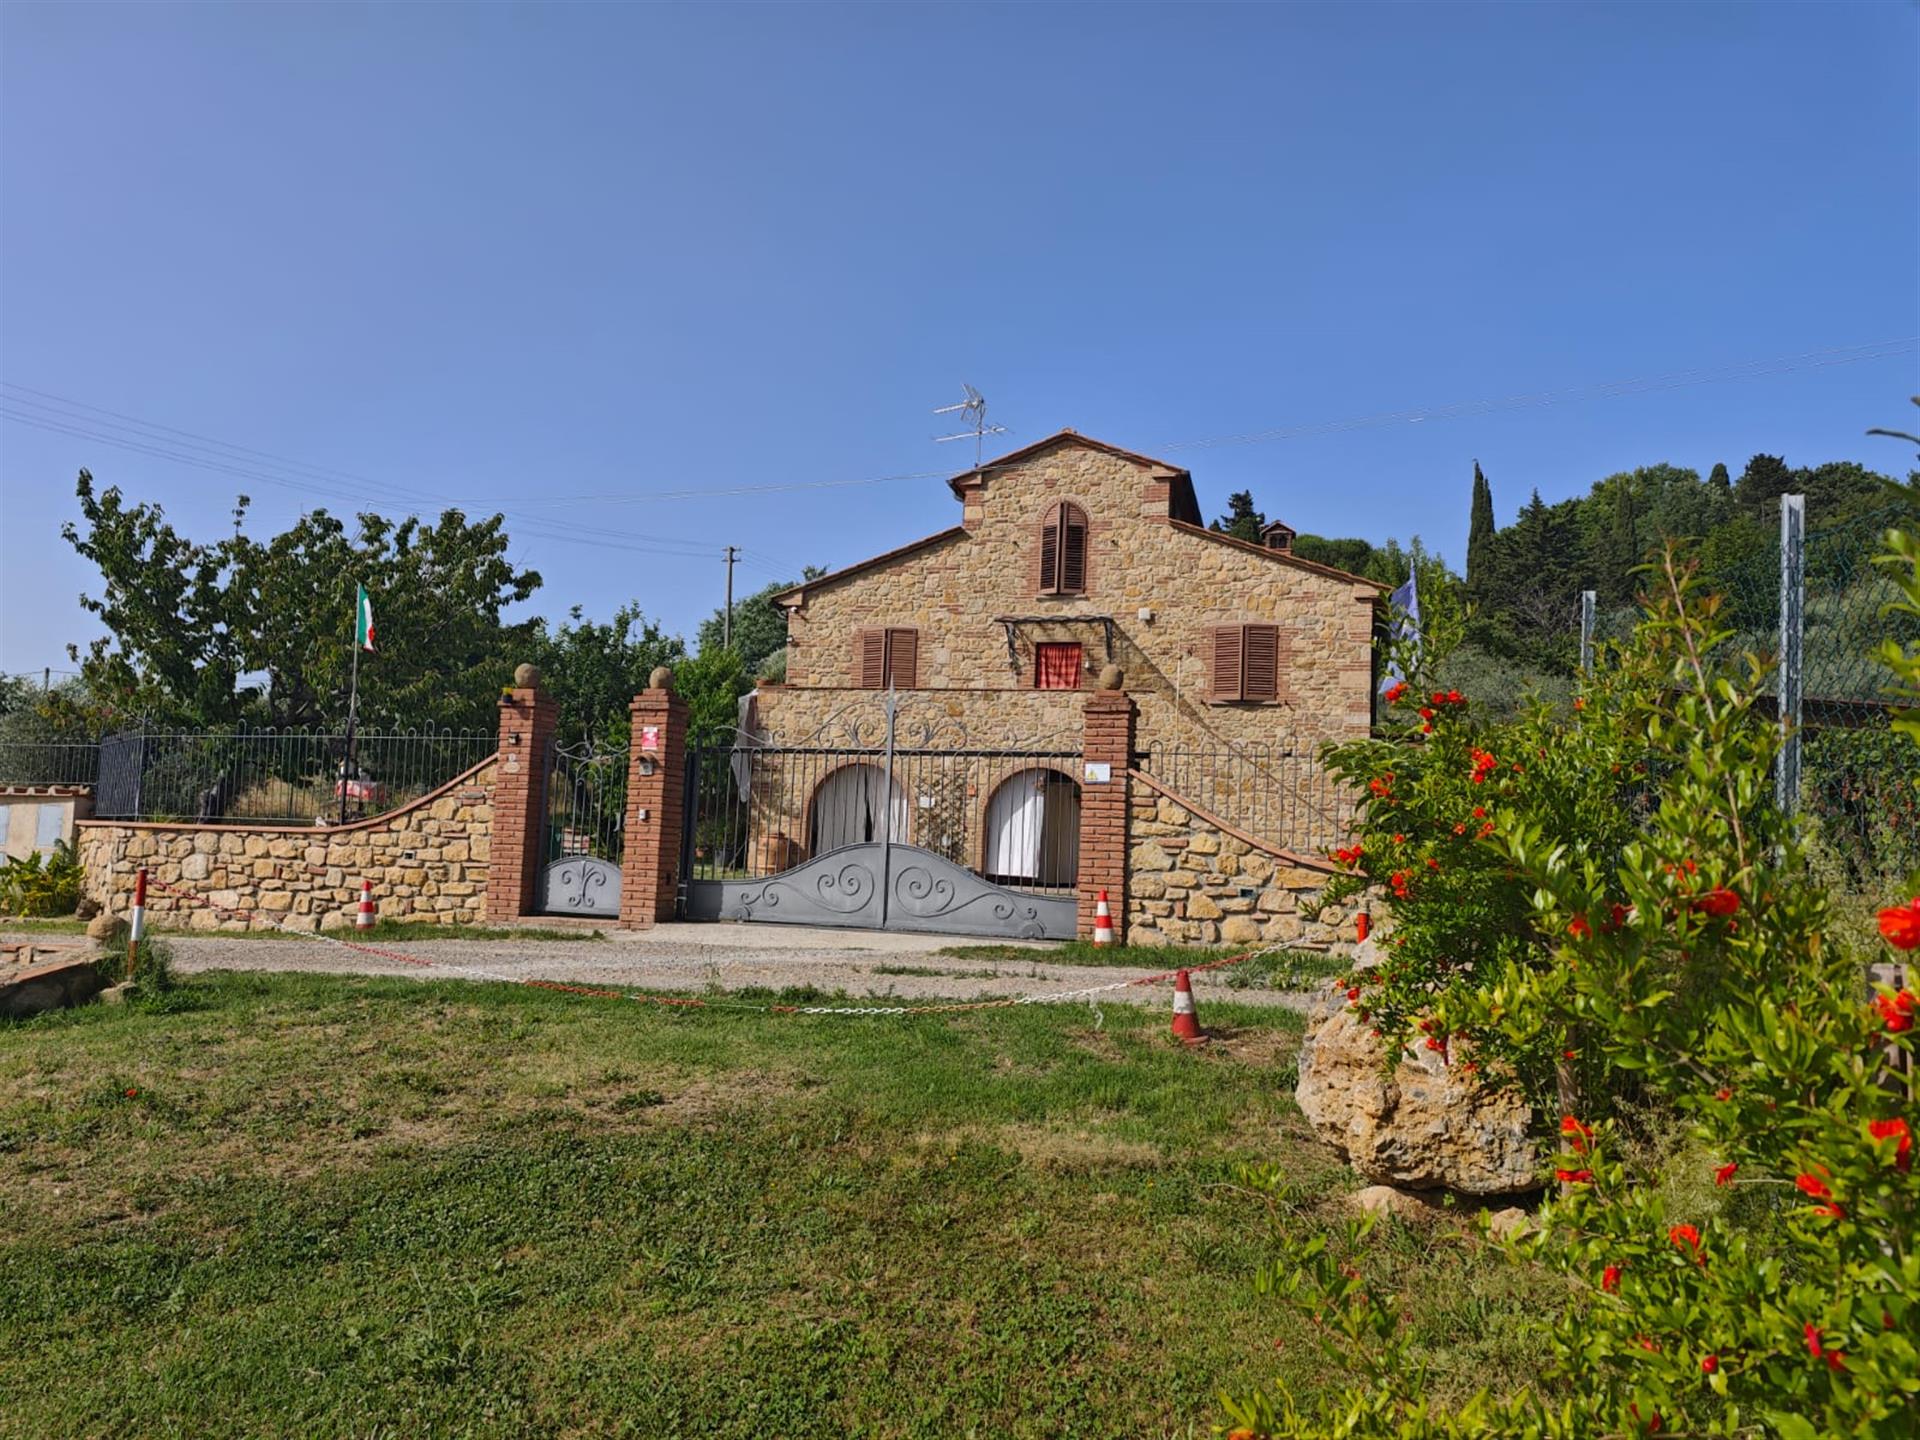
(850,808)
(1016,819)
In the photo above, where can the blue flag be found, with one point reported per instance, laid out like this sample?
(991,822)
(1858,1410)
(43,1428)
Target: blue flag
(1405,624)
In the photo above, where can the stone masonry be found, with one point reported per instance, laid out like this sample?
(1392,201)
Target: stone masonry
(956,588)
(427,862)
(1194,881)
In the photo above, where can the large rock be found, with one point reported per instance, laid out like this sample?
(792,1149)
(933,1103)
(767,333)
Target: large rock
(1424,1127)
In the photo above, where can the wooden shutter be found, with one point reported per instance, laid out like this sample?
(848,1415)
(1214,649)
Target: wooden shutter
(1050,553)
(1073,549)
(1260,662)
(870,659)
(1226,662)
(903,658)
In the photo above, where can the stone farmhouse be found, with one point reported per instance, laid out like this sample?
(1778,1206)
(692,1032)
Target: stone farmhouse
(1072,554)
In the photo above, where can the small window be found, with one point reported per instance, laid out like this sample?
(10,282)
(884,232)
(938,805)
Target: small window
(1056,667)
(883,658)
(1244,663)
(1063,550)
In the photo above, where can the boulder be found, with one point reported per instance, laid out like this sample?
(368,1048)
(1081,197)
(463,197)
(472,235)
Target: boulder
(1425,1126)
(1385,1200)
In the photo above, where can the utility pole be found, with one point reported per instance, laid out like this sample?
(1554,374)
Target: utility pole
(726,628)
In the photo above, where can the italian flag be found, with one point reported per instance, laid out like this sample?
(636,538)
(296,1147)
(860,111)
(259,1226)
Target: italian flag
(363,620)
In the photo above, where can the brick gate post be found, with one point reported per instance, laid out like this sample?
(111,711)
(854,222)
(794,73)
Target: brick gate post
(527,718)
(656,804)
(1106,741)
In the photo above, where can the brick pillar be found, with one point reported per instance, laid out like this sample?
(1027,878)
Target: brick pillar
(514,855)
(1106,740)
(656,806)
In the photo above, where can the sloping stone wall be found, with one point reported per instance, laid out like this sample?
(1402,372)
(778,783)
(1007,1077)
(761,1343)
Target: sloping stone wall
(427,862)
(1192,880)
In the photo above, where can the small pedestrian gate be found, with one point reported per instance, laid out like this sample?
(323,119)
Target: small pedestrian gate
(933,836)
(584,818)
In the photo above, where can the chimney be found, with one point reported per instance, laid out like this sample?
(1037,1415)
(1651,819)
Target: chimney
(1278,536)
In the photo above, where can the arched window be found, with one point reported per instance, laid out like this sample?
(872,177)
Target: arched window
(856,805)
(1033,830)
(1063,550)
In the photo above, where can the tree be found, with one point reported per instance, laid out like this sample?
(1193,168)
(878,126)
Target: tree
(1241,521)
(759,625)
(593,671)
(1350,555)
(1480,531)
(1719,478)
(712,683)
(239,630)
(1765,478)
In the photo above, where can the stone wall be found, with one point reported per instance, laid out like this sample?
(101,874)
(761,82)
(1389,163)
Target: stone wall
(954,589)
(1193,880)
(427,861)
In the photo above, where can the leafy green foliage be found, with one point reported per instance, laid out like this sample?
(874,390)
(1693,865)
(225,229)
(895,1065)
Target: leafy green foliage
(213,633)
(594,670)
(1692,965)
(1242,520)
(42,885)
(759,625)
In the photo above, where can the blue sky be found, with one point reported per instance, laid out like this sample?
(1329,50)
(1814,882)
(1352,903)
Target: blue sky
(519,255)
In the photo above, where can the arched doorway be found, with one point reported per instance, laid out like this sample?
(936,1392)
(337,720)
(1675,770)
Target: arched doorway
(850,807)
(1033,830)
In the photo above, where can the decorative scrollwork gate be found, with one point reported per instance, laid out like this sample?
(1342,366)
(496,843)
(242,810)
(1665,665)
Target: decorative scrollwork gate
(584,815)
(882,821)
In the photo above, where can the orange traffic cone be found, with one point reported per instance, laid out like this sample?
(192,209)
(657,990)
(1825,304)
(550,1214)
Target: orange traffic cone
(1186,1021)
(1102,922)
(364,920)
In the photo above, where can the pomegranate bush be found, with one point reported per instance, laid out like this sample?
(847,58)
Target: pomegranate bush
(1675,946)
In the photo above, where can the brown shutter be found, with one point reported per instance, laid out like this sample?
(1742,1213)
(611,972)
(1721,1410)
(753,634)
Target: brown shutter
(1226,662)
(1073,549)
(870,659)
(1260,649)
(1050,553)
(903,659)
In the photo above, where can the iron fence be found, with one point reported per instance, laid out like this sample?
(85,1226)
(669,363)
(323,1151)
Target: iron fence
(275,777)
(55,762)
(1277,791)
(1010,816)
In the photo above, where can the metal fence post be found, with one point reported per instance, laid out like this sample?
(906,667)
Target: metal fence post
(1793,610)
(1586,632)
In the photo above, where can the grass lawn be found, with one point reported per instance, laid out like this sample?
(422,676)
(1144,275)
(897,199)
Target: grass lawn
(1290,967)
(411,931)
(345,1207)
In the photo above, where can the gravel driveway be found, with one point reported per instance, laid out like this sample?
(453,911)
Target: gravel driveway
(862,964)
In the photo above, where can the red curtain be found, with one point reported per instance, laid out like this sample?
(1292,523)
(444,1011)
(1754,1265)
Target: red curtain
(1056,667)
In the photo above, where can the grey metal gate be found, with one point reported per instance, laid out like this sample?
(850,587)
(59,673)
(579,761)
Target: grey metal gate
(584,817)
(897,826)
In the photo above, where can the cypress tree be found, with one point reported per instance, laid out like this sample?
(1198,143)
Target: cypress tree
(1719,479)
(1479,531)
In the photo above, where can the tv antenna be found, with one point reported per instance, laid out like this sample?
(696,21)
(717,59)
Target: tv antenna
(974,408)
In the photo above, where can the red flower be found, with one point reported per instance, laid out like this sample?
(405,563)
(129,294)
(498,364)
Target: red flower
(1399,839)
(1709,1364)
(1720,902)
(1723,1094)
(1395,691)
(1479,812)
(1461,828)
(1836,1361)
(1454,698)
(1813,1185)
(1894,1130)
(1685,1236)
(1432,864)
(1486,830)
(1646,1344)
(1439,697)
(132,1093)
(1573,1177)
(1579,1134)
(1896,1010)
(1900,924)
(1425,713)
(1353,992)
(1812,1332)
(1610,1279)
(1724,1175)
(1579,928)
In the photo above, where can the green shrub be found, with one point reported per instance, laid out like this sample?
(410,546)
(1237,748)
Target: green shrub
(37,886)
(1758,1274)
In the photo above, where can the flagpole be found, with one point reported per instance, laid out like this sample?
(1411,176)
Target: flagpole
(353,702)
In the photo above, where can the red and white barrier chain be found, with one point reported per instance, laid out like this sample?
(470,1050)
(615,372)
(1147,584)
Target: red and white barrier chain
(689,1002)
